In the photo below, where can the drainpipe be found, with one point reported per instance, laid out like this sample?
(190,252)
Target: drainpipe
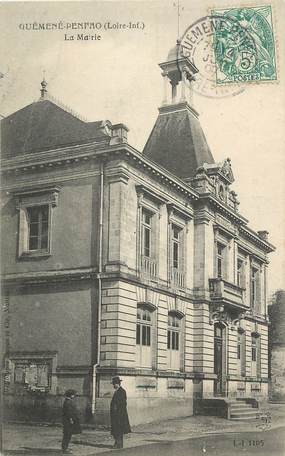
(100,261)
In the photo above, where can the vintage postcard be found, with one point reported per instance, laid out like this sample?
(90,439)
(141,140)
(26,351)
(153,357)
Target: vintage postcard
(143,227)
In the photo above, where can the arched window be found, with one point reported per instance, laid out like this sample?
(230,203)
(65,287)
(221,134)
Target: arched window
(174,341)
(144,337)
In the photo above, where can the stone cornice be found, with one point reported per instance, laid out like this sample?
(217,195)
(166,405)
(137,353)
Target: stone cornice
(238,220)
(61,157)
(256,318)
(41,277)
(254,238)
(58,156)
(223,209)
(183,105)
(132,371)
(181,211)
(76,154)
(152,194)
(249,250)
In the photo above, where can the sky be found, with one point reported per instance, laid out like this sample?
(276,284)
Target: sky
(118,78)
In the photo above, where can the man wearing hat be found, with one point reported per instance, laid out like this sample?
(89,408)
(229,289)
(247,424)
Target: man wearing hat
(70,420)
(119,416)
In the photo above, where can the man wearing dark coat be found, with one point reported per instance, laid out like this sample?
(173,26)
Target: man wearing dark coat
(70,420)
(119,416)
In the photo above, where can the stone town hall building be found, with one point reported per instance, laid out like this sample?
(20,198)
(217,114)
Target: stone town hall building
(129,263)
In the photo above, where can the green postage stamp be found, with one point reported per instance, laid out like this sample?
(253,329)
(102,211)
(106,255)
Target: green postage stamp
(244,45)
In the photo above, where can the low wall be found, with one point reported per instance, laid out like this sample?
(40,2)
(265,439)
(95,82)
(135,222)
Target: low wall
(42,408)
(147,410)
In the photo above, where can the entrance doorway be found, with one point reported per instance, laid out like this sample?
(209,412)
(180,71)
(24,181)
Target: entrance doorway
(219,359)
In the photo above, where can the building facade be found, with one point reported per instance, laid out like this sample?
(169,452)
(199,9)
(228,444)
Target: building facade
(129,263)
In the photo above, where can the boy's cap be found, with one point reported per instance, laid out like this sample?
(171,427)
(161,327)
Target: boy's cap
(70,392)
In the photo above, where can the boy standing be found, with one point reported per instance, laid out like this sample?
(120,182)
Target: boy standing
(70,420)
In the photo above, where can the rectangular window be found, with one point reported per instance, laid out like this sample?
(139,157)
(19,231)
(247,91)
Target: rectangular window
(253,349)
(38,222)
(253,286)
(145,335)
(220,260)
(35,207)
(255,356)
(148,248)
(239,273)
(177,247)
(172,340)
(241,353)
(239,349)
(146,233)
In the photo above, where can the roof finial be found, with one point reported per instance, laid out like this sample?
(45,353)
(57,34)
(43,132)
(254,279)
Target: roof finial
(44,87)
(179,8)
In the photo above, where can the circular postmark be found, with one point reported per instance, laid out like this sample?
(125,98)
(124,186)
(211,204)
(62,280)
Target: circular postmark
(213,43)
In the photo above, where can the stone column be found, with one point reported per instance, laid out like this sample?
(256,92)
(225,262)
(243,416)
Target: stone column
(183,86)
(165,87)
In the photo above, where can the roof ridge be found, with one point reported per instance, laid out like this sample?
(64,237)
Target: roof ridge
(63,106)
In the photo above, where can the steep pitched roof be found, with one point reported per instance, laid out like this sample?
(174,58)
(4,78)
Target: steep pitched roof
(44,125)
(177,141)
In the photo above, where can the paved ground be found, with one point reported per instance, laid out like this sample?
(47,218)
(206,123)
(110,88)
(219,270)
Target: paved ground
(267,443)
(216,434)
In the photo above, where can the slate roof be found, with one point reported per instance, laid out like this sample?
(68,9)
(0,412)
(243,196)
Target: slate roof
(177,141)
(44,125)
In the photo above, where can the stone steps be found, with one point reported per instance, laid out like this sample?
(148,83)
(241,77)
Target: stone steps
(242,411)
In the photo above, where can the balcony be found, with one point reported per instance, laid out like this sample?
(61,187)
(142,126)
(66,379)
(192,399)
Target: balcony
(226,292)
(148,267)
(177,278)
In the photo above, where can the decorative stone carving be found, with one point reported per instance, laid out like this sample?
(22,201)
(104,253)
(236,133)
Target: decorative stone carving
(218,313)
(226,170)
(37,196)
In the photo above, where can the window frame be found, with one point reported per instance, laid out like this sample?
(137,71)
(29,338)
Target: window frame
(147,227)
(174,340)
(256,354)
(145,330)
(241,351)
(221,260)
(39,237)
(179,243)
(240,272)
(253,285)
(144,323)
(25,201)
(148,264)
(177,268)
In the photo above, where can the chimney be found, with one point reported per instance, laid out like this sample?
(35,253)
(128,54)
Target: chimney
(119,134)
